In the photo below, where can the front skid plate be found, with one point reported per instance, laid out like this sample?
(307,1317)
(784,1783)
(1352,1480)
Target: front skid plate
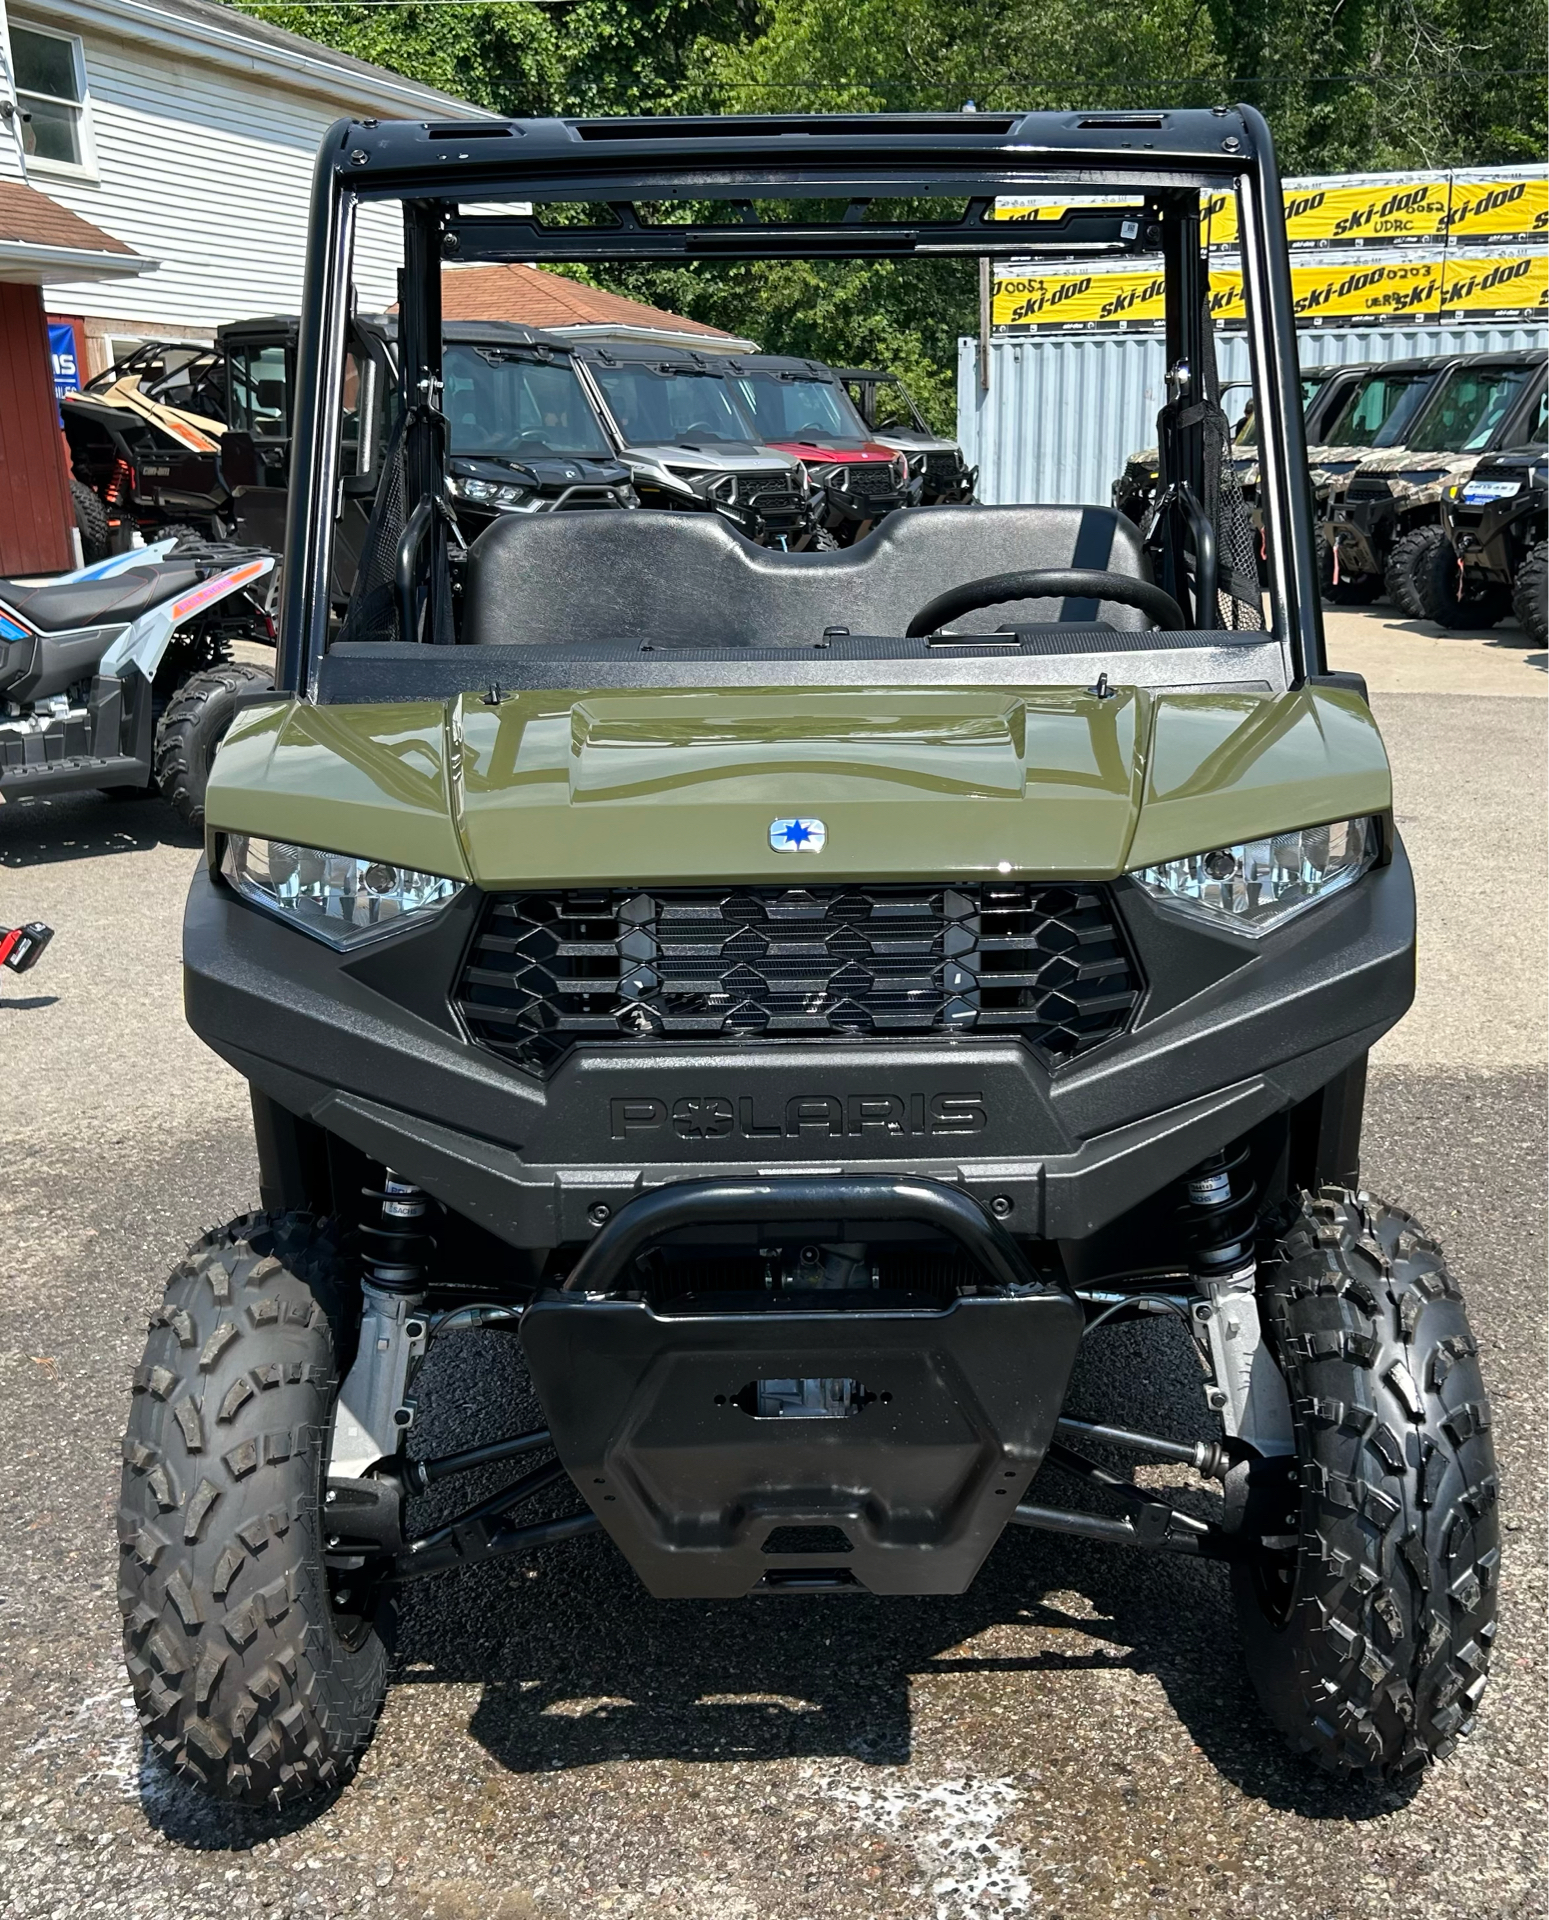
(945,1420)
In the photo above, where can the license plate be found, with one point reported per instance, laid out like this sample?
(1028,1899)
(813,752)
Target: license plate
(1479,493)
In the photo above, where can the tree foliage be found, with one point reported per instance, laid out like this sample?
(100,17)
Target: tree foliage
(1347,86)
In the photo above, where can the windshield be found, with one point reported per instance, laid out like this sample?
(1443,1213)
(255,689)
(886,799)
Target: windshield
(891,408)
(655,408)
(787,408)
(258,389)
(503,405)
(1465,414)
(1379,407)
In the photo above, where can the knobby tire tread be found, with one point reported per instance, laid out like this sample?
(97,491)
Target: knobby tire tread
(242,1681)
(1380,1662)
(191,727)
(1530,593)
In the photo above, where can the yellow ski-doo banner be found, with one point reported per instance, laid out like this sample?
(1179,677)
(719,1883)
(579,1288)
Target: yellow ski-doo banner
(1487,281)
(1032,210)
(1344,284)
(1105,294)
(1342,209)
(1496,204)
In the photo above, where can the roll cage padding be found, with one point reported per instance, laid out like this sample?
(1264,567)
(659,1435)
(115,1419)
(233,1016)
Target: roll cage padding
(656,576)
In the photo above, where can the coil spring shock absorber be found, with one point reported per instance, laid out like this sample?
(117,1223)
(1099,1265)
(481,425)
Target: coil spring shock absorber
(375,1409)
(1220,1214)
(397,1248)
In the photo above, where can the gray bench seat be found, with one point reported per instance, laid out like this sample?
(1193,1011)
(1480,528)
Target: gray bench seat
(644,575)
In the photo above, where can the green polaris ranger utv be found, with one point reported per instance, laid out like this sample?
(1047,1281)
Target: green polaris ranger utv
(800,996)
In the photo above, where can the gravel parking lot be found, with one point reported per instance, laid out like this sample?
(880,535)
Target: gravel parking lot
(1072,1738)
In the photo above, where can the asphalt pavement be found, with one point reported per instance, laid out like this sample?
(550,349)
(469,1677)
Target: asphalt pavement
(1073,1738)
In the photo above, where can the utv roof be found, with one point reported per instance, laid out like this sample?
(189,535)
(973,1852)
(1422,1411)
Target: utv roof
(646,353)
(466,333)
(1217,138)
(785,363)
(739,159)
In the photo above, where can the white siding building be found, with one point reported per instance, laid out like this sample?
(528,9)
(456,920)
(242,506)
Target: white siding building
(188,131)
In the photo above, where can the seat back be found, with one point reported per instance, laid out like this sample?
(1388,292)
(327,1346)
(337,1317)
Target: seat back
(647,575)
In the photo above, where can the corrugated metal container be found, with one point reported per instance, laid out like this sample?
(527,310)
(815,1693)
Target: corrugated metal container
(1065,411)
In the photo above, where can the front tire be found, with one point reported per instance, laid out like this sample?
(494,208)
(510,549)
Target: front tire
(1404,574)
(193,726)
(252,1678)
(1530,593)
(1369,1616)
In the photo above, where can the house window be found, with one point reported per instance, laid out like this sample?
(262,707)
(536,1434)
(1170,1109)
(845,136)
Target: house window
(50,75)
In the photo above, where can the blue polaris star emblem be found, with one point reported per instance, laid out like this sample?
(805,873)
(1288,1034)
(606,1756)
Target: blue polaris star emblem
(797,836)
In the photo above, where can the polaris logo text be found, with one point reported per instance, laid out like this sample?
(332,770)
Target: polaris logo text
(855,1115)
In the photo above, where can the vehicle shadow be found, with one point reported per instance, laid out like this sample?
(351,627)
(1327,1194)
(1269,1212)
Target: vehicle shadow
(578,1666)
(1506,638)
(43,830)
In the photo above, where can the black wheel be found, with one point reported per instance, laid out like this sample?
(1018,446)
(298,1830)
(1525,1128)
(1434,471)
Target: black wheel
(1369,1615)
(1350,590)
(193,726)
(824,541)
(1448,595)
(1530,594)
(91,522)
(1402,576)
(253,1677)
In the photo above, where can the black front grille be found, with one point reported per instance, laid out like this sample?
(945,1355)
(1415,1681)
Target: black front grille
(874,480)
(1045,963)
(768,492)
(1368,488)
(942,471)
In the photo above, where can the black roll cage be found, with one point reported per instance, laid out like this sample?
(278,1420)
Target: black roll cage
(626,170)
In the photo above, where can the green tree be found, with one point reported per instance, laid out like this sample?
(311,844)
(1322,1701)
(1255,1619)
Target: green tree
(589,57)
(1371,85)
(1347,86)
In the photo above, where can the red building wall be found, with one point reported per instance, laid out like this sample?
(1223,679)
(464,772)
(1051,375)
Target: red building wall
(36,516)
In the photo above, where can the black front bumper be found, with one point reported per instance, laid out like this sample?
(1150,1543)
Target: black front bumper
(1492,540)
(1361,532)
(1230,1033)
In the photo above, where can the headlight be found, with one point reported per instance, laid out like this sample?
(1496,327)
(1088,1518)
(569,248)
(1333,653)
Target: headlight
(490,493)
(1261,884)
(916,466)
(900,468)
(333,896)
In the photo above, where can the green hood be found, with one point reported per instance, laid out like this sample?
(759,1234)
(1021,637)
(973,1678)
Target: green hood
(660,786)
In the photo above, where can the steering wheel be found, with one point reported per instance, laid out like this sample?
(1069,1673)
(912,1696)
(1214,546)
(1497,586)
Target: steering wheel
(1049,583)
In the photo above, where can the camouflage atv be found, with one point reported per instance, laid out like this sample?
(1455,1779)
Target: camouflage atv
(1490,555)
(801,998)
(1382,524)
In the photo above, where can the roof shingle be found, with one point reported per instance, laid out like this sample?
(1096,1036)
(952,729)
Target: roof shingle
(539,299)
(31,218)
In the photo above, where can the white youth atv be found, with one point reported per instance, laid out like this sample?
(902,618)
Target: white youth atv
(120,676)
